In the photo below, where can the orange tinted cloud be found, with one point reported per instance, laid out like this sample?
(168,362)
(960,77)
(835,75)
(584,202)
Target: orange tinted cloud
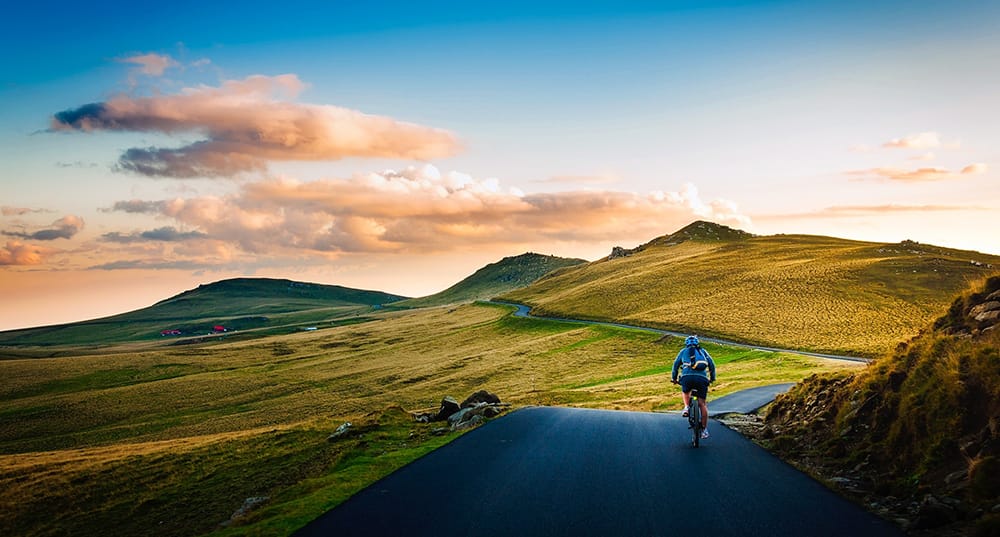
(975,169)
(847,211)
(247,123)
(20,253)
(923,140)
(151,64)
(20,211)
(935,173)
(421,210)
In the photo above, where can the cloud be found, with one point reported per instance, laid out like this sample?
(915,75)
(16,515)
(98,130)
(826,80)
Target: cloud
(149,264)
(64,228)
(847,211)
(151,64)
(247,123)
(923,140)
(420,210)
(77,164)
(934,173)
(925,157)
(20,211)
(582,179)
(136,207)
(163,234)
(975,169)
(19,253)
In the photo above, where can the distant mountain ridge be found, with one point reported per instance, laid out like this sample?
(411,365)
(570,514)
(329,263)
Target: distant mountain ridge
(275,295)
(793,291)
(234,305)
(506,275)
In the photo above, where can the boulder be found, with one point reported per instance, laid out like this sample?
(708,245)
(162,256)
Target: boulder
(469,423)
(618,252)
(343,431)
(934,513)
(449,406)
(459,416)
(482,396)
(988,316)
(991,305)
(249,505)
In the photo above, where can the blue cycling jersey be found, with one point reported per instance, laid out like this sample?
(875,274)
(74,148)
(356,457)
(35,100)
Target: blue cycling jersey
(688,356)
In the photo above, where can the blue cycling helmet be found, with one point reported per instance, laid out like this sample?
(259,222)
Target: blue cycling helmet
(691,340)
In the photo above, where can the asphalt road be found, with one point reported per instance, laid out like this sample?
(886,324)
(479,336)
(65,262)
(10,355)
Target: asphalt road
(525,311)
(745,401)
(558,471)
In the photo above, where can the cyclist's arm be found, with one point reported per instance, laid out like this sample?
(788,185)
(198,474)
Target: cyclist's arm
(711,367)
(677,365)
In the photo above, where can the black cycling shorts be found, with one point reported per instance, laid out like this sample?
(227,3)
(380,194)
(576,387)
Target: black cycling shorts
(697,384)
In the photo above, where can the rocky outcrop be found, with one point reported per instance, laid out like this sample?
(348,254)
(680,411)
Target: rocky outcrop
(474,410)
(916,435)
(618,252)
(973,314)
(249,505)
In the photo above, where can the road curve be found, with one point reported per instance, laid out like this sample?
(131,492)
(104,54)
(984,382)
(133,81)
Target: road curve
(544,471)
(525,311)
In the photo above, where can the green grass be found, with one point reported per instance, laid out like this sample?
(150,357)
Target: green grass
(184,434)
(253,307)
(792,291)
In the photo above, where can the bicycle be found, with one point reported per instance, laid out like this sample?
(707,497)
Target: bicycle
(694,418)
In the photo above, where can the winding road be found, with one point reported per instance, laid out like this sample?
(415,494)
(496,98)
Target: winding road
(544,471)
(525,311)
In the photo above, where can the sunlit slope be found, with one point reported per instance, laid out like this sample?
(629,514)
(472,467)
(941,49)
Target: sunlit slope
(171,440)
(797,291)
(236,304)
(506,275)
(922,419)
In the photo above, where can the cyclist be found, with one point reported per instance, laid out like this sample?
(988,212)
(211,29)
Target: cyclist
(697,370)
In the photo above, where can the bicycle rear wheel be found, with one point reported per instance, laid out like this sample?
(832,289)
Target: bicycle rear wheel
(694,417)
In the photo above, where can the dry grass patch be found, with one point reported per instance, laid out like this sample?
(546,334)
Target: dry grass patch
(183,435)
(802,292)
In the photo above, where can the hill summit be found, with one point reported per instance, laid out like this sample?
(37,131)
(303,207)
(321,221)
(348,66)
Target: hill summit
(705,231)
(506,275)
(809,292)
(700,231)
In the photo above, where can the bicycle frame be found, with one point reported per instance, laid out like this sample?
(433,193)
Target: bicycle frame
(694,419)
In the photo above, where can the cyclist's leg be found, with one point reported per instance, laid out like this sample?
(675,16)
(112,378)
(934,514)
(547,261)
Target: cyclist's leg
(703,403)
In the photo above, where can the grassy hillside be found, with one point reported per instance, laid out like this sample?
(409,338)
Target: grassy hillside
(238,305)
(494,279)
(171,441)
(918,432)
(796,291)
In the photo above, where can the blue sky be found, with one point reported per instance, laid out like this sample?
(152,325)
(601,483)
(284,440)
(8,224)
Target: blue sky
(562,127)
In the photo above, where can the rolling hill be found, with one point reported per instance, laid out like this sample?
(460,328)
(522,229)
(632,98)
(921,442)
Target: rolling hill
(235,304)
(916,428)
(794,291)
(506,275)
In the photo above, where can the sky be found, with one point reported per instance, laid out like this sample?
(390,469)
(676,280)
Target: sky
(400,146)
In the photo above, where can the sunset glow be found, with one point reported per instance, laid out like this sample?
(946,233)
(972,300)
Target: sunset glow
(401,147)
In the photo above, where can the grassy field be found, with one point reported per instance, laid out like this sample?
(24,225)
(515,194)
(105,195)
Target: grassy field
(254,306)
(790,291)
(170,441)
